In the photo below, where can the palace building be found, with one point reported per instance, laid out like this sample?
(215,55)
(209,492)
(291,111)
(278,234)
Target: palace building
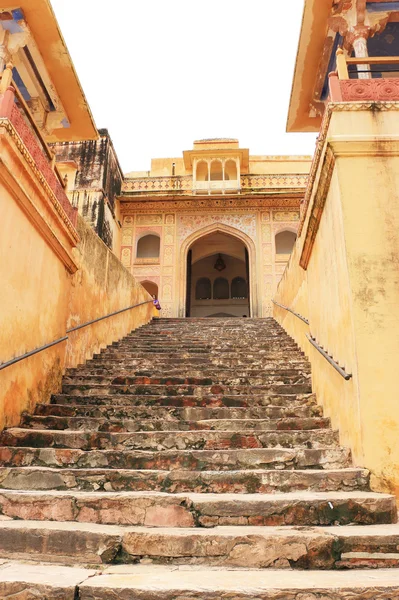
(209,233)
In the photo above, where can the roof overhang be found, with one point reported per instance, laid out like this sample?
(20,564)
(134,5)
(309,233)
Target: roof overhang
(304,113)
(48,38)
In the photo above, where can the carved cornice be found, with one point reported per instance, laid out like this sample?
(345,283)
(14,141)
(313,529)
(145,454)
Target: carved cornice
(317,207)
(40,205)
(324,161)
(224,203)
(10,129)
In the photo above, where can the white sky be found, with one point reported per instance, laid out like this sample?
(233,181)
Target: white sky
(160,74)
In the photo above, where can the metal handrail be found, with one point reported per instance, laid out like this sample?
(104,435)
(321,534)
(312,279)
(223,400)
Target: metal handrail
(31,353)
(312,340)
(291,311)
(13,361)
(329,358)
(117,312)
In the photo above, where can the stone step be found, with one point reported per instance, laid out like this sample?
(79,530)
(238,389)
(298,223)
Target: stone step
(238,482)
(155,582)
(183,389)
(169,413)
(126,425)
(289,401)
(182,372)
(167,440)
(171,460)
(155,509)
(78,381)
(231,546)
(193,351)
(202,361)
(30,581)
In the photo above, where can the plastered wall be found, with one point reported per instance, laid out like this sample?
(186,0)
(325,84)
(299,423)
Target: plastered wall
(349,290)
(40,300)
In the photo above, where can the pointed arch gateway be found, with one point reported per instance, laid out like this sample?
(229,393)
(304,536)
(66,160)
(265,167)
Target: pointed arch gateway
(184,269)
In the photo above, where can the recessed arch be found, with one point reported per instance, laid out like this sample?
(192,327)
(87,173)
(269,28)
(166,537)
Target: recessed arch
(202,171)
(221,289)
(230,170)
(203,289)
(151,287)
(285,241)
(148,246)
(216,170)
(233,232)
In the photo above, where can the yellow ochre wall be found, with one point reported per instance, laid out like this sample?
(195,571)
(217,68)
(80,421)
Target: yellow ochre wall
(41,300)
(350,289)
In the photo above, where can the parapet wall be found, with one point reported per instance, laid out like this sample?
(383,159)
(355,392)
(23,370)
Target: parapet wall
(49,287)
(343,278)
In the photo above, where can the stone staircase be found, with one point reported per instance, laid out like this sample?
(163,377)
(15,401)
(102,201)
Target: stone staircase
(190,460)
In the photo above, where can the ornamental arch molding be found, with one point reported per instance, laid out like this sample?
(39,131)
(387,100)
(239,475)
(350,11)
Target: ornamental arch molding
(208,230)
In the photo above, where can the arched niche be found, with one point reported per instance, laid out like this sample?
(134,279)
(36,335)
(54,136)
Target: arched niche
(203,289)
(149,246)
(230,170)
(285,241)
(151,287)
(239,288)
(216,170)
(221,289)
(202,173)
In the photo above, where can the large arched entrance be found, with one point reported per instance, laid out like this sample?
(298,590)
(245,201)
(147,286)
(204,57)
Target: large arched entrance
(217,283)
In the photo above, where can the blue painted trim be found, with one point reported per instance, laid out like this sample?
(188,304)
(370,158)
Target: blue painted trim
(21,86)
(382,6)
(18,14)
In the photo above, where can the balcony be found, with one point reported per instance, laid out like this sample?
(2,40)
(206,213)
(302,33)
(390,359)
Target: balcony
(14,109)
(369,82)
(216,187)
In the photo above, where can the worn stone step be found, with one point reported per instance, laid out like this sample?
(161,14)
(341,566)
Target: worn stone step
(125,425)
(155,509)
(179,372)
(233,546)
(27,581)
(215,361)
(239,482)
(157,440)
(291,401)
(155,582)
(170,413)
(191,460)
(199,389)
(171,380)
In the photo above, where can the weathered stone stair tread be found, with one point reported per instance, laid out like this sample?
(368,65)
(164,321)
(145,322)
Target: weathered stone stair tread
(225,460)
(27,581)
(156,582)
(245,546)
(244,481)
(87,440)
(157,509)
(291,401)
(126,425)
(127,411)
(184,388)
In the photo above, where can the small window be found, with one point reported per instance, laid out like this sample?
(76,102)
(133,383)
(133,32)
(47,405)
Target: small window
(221,289)
(239,289)
(285,241)
(148,246)
(203,289)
